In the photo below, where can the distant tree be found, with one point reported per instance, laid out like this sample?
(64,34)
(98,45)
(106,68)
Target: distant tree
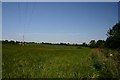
(100,43)
(113,39)
(12,42)
(5,42)
(17,42)
(84,44)
(32,42)
(63,44)
(42,42)
(76,44)
(92,44)
(68,44)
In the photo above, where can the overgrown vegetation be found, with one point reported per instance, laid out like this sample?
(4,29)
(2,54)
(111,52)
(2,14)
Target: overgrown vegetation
(105,63)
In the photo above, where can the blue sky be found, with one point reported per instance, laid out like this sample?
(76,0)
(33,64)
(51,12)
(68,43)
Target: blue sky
(0,21)
(73,22)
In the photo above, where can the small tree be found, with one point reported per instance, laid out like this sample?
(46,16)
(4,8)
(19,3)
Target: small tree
(84,44)
(68,44)
(12,42)
(5,42)
(17,42)
(92,44)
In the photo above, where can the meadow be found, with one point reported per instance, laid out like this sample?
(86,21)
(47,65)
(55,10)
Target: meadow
(57,61)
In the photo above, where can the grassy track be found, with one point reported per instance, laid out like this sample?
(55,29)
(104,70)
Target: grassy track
(47,61)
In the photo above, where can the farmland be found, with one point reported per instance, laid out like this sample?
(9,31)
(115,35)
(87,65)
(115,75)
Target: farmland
(56,61)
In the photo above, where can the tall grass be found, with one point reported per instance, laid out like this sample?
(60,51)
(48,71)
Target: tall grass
(57,61)
(46,61)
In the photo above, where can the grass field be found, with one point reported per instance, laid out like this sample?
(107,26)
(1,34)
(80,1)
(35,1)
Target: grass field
(56,61)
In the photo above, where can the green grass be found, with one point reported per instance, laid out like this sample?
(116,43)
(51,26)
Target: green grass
(49,61)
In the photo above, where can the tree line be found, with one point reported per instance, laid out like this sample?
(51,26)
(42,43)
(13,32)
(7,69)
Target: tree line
(112,41)
(45,43)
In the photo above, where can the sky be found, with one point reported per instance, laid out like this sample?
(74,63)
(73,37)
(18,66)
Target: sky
(55,22)
(0,20)
(60,0)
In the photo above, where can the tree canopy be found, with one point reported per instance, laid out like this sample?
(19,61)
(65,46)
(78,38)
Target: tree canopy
(113,39)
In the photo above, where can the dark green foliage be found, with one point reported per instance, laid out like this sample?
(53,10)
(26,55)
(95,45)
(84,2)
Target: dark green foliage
(44,43)
(113,39)
(63,44)
(92,44)
(12,42)
(84,44)
(5,42)
(106,66)
(18,42)
(100,43)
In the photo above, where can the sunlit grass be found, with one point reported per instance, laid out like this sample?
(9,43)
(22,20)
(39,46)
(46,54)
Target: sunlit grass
(52,61)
